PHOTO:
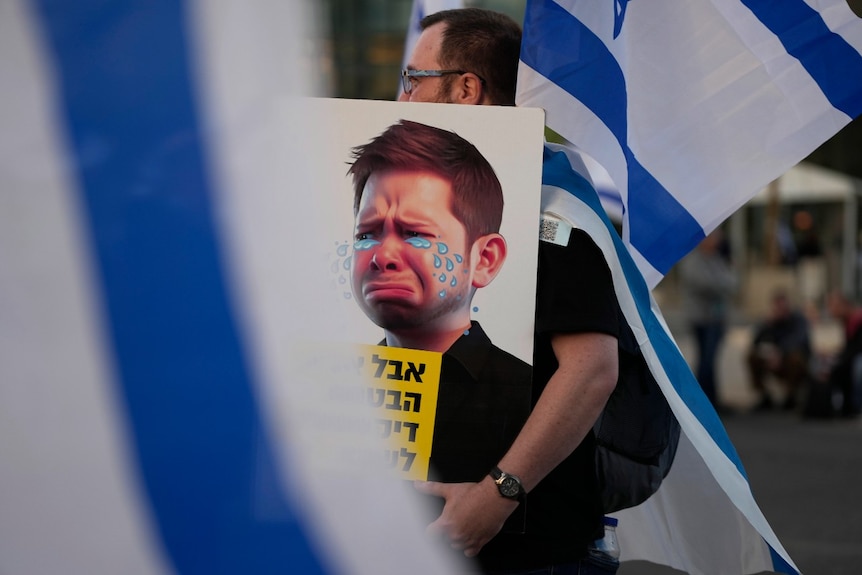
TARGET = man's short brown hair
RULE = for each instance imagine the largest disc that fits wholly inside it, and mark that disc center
(477, 196)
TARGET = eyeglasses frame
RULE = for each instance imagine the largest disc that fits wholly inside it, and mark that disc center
(407, 74)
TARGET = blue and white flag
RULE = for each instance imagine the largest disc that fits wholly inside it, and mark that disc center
(703, 519)
(422, 8)
(156, 238)
(692, 107)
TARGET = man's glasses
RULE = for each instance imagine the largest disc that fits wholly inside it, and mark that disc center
(408, 82)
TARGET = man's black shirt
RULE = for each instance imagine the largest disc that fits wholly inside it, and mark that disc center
(483, 402)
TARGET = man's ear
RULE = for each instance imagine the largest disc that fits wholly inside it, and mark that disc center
(489, 252)
(468, 89)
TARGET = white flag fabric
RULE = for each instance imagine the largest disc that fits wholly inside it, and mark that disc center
(148, 423)
(691, 107)
(703, 519)
(422, 8)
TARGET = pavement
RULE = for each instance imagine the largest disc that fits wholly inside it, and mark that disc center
(806, 475)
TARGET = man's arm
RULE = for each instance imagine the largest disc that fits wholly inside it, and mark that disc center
(566, 411)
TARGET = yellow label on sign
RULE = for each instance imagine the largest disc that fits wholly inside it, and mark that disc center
(402, 388)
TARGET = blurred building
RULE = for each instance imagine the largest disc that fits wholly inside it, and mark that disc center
(800, 234)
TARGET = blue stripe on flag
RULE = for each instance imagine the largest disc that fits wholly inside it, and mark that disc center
(557, 171)
(132, 126)
(779, 565)
(567, 53)
(826, 56)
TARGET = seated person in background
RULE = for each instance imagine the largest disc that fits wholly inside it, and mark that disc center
(846, 372)
(781, 348)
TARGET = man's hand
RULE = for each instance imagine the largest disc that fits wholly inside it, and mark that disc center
(472, 515)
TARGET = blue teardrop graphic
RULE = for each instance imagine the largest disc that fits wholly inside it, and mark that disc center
(420, 243)
(365, 244)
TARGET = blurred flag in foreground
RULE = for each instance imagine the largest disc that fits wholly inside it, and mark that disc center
(691, 107)
(148, 423)
(422, 8)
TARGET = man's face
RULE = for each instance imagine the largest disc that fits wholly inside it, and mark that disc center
(425, 57)
(411, 262)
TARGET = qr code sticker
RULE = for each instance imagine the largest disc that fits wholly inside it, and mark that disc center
(548, 230)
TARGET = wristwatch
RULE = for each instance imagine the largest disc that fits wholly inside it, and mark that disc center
(509, 486)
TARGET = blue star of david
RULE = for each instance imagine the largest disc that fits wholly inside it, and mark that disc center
(619, 14)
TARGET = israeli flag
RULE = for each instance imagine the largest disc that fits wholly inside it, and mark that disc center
(692, 107)
(703, 519)
(155, 234)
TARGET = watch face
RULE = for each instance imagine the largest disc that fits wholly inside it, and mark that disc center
(510, 487)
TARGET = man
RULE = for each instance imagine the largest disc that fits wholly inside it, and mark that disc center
(428, 208)
(845, 374)
(708, 284)
(480, 50)
(470, 56)
(782, 348)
